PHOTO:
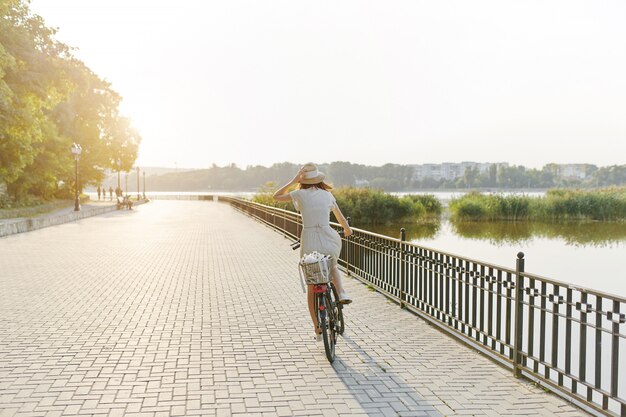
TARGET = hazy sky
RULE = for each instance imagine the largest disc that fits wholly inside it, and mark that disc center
(258, 82)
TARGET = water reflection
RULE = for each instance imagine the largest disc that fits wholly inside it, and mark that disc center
(413, 231)
(598, 234)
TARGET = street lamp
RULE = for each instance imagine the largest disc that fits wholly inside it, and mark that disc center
(126, 179)
(144, 184)
(119, 168)
(138, 196)
(76, 150)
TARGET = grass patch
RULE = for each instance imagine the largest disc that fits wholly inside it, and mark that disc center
(368, 206)
(32, 207)
(607, 204)
(32, 211)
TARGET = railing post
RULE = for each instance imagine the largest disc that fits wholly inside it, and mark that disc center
(348, 250)
(519, 319)
(402, 269)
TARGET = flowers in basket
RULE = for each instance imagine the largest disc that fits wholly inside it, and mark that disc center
(315, 267)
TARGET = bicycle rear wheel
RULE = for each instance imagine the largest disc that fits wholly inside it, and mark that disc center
(327, 324)
(338, 309)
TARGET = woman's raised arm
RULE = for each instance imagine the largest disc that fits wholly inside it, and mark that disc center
(281, 194)
(347, 231)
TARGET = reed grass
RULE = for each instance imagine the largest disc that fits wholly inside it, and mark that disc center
(606, 204)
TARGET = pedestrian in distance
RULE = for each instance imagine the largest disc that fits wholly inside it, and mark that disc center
(314, 201)
(98, 193)
(111, 193)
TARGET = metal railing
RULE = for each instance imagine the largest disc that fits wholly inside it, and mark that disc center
(566, 338)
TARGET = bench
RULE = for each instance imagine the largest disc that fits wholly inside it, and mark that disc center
(124, 201)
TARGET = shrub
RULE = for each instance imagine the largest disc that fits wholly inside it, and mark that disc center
(431, 204)
(369, 206)
(469, 207)
(268, 200)
(265, 196)
(601, 204)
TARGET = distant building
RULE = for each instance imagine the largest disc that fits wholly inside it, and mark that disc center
(573, 171)
(450, 170)
(427, 171)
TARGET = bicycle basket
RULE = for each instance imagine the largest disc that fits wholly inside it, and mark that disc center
(317, 272)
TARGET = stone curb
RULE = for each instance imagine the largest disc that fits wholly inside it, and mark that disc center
(28, 225)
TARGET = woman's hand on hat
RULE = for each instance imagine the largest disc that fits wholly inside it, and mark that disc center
(298, 176)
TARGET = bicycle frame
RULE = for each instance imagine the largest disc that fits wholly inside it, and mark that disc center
(328, 311)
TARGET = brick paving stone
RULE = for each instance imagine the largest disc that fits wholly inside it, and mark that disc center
(191, 308)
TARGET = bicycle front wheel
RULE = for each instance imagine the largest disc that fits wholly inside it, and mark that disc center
(327, 323)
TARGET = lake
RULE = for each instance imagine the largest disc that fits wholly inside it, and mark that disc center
(589, 254)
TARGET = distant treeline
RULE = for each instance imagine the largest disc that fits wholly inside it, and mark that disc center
(389, 177)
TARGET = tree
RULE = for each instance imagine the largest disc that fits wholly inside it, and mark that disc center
(29, 88)
(341, 173)
(470, 176)
(611, 175)
(48, 100)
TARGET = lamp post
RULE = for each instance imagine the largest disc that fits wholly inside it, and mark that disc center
(126, 179)
(119, 168)
(76, 150)
(144, 184)
(138, 196)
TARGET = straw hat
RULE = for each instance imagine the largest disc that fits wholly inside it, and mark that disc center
(311, 175)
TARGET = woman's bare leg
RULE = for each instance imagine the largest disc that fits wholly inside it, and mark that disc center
(312, 312)
(336, 278)
(336, 274)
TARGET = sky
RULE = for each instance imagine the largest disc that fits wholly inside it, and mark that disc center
(371, 82)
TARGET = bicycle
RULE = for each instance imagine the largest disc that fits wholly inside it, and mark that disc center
(329, 312)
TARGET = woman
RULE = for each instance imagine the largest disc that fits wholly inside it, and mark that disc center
(315, 202)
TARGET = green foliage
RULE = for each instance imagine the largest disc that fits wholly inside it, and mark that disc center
(431, 204)
(30, 206)
(48, 100)
(266, 197)
(468, 208)
(558, 204)
(268, 200)
(601, 204)
(367, 206)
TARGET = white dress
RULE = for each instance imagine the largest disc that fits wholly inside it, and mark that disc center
(317, 235)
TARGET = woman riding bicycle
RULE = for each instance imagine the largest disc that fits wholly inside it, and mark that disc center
(314, 200)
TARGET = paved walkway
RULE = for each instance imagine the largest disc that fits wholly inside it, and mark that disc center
(189, 308)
